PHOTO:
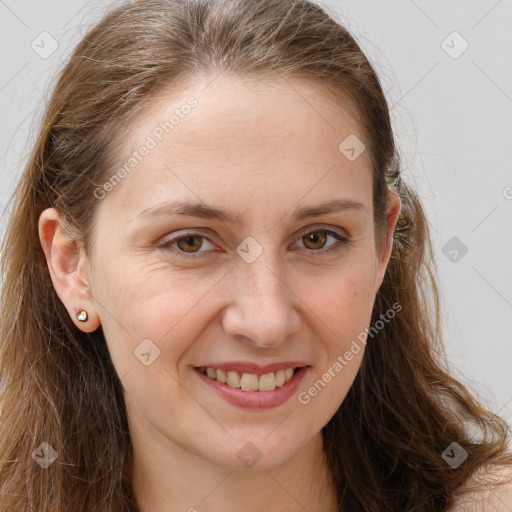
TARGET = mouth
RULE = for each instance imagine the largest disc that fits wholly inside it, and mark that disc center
(250, 382)
(255, 391)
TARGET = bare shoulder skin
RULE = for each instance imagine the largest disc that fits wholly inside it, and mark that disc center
(490, 496)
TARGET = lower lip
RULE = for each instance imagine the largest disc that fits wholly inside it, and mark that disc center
(256, 399)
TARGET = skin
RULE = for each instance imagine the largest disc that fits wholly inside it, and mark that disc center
(260, 149)
(489, 489)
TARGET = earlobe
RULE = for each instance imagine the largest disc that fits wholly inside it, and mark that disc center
(65, 258)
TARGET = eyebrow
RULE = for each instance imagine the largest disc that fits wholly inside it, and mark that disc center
(195, 209)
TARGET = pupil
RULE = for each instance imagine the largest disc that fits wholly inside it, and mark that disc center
(315, 238)
(189, 241)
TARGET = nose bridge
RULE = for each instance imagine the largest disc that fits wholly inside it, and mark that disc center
(261, 268)
(263, 303)
(263, 279)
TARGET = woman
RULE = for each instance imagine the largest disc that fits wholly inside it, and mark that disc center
(218, 290)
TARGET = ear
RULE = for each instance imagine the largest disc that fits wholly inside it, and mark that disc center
(69, 269)
(382, 261)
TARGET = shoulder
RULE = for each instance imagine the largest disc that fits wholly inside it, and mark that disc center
(488, 490)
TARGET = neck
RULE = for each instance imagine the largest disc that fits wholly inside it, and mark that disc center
(175, 479)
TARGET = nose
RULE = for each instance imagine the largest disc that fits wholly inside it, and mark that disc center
(263, 306)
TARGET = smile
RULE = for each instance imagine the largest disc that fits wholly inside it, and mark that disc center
(253, 391)
(250, 381)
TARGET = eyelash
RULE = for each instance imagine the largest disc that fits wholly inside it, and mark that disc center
(341, 239)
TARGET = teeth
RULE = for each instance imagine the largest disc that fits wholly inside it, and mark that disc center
(267, 382)
(250, 381)
(233, 380)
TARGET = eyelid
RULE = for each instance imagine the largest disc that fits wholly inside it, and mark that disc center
(335, 232)
(343, 233)
(166, 243)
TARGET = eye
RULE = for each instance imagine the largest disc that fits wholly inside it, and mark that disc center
(189, 244)
(316, 239)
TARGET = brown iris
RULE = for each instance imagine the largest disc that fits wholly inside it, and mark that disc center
(188, 239)
(186, 243)
(315, 239)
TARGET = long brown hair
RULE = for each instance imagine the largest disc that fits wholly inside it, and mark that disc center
(58, 384)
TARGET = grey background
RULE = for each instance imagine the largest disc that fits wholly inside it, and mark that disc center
(453, 120)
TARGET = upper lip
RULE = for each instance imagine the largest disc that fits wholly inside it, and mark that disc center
(250, 367)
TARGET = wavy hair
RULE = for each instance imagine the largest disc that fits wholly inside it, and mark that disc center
(59, 385)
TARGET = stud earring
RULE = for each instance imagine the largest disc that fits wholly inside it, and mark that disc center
(82, 316)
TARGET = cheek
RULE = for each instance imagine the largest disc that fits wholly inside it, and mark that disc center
(343, 302)
(170, 308)
(340, 308)
(154, 321)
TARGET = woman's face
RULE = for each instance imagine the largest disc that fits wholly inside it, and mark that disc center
(242, 287)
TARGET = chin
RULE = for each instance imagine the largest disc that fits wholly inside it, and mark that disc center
(253, 453)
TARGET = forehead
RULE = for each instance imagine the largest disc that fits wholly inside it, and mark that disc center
(223, 136)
